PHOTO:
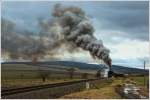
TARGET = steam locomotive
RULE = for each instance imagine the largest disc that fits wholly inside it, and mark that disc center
(111, 73)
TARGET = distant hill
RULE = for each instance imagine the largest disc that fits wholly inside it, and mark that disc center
(115, 68)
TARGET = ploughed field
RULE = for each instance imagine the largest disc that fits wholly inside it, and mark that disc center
(22, 75)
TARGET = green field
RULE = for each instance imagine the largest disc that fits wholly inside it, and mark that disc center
(140, 80)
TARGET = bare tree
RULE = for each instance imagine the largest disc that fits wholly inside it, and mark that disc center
(71, 72)
(43, 74)
(98, 74)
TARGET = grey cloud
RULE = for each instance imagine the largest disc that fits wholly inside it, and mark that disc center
(130, 18)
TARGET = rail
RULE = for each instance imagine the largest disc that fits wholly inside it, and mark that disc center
(33, 88)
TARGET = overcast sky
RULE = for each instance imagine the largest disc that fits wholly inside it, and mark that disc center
(123, 26)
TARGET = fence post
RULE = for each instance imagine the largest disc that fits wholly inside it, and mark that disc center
(87, 85)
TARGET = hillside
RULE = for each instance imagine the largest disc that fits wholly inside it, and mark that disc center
(79, 65)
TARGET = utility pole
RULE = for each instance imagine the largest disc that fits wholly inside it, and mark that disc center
(144, 73)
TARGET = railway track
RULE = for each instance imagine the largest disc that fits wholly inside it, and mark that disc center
(34, 88)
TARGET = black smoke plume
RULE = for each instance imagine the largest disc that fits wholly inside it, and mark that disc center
(69, 29)
(76, 28)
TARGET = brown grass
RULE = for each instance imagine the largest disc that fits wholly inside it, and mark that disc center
(106, 92)
(16, 83)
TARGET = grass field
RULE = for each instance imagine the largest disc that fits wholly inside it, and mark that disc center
(140, 80)
(106, 90)
(16, 83)
(20, 75)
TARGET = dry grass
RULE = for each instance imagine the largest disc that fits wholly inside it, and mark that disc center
(16, 83)
(144, 91)
(106, 92)
(140, 80)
